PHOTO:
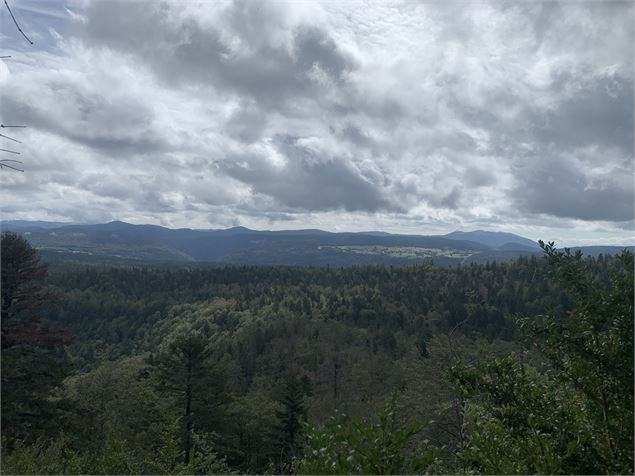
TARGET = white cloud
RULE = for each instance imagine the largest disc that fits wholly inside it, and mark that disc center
(402, 116)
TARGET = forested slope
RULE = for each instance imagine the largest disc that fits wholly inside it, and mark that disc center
(117, 311)
(241, 369)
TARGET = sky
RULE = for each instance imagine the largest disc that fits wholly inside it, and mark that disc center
(404, 116)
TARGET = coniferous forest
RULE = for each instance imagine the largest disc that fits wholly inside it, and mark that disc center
(500, 368)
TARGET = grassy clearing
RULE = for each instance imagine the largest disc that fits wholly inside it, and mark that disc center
(404, 252)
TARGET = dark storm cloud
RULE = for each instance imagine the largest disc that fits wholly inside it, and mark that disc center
(353, 134)
(557, 187)
(120, 125)
(478, 177)
(593, 113)
(307, 182)
(451, 200)
(597, 110)
(600, 112)
(247, 123)
(440, 197)
(182, 49)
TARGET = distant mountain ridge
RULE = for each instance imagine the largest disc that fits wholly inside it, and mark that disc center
(16, 225)
(239, 245)
(495, 239)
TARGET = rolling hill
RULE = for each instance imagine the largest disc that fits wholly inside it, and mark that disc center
(495, 239)
(127, 243)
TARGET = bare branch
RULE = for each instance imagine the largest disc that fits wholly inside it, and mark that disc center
(3, 163)
(11, 138)
(16, 23)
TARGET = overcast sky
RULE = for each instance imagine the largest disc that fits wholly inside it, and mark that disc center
(414, 117)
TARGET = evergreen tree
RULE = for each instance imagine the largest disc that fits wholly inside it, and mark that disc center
(185, 371)
(290, 418)
(31, 366)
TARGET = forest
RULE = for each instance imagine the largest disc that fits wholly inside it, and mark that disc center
(500, 368)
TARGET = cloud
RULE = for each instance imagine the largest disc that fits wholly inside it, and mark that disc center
(409, 114)
(302, 180)
(595, 111)
(560, 188)
(251, 49)
(88, 101)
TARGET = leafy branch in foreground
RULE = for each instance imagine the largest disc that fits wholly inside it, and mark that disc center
(346, 445)
(569, 410)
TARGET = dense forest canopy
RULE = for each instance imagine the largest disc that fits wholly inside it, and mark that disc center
(515, 367)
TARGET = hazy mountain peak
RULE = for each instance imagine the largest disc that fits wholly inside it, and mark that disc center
(494, 239)
(235, 230)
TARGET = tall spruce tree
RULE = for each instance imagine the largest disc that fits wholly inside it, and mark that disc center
(31, 365)
(186, 371)
(290, 418)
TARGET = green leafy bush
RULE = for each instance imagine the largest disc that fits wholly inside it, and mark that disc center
(346, 445)
(569, 410)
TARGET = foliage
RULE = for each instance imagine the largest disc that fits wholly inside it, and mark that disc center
(184, 370)
(591, 348)
(570, 409)
(30, 359)
(205, 458)
(252, 442)
(42, 458)
(291, 416)
(520, 420)
(231, 369)
(116, 400)
(121, 312)
(346, 445)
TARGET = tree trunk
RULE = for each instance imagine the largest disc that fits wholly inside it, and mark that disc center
(187, 444)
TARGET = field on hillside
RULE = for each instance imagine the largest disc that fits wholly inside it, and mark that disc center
(404, 252)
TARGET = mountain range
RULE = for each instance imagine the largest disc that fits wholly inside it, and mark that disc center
(124, 242)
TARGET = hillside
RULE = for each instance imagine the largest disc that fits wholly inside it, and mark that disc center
(124, 243)
(239, 351)
(495, 239)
